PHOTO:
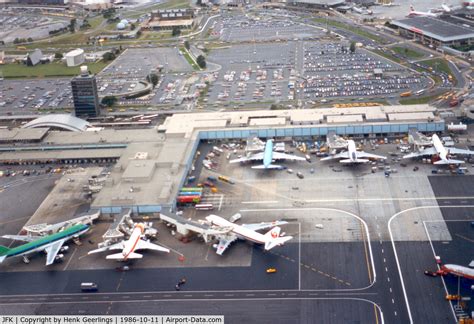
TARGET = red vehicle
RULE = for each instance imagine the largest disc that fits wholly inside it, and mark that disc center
(189, 199)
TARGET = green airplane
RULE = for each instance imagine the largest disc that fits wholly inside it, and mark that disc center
(51, 244)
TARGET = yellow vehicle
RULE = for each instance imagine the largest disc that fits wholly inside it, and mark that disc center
(453, 297)
(213, 189)
(405, 94)
(271, 270)
(21, 48)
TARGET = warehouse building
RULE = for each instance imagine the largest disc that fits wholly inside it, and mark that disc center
(439, 31)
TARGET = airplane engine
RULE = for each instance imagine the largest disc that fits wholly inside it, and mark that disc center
(64, 248)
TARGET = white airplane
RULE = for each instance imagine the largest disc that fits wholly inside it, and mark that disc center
(443, 9)
(135, 242)
(414, 13)
(248, 232)
(439, 149)
(457, 270)
(352, 155)
(267, 156)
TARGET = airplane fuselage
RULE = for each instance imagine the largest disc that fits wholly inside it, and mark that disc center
(241, 232)
(39, 245)
(439, 147)
(458, 270)
(351, 147)
(131, 244)
(268, 153)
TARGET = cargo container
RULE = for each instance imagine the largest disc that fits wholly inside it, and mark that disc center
(190, 193)
(187, 189)
(188, 199)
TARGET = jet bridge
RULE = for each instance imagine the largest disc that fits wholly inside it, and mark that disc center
(418, 139)
(185, 227)
(335, 142)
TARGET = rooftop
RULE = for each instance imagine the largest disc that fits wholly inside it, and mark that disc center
(439, 28)
(66, 122)
(186, 124)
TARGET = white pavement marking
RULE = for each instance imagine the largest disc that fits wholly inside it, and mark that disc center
(396, 255)
(330, 209)
(299, 256)
(260, 202)
(70, 258)
(220, 202)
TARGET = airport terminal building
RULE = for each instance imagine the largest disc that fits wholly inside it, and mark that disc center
(153, 163)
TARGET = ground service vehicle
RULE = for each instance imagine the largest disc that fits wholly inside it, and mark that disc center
(89, 286)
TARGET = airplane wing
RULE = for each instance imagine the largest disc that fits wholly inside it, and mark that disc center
(263, 225)
(342, 155)
(453, 150)
(224, 243)
(116, 246)
(428, 151)
(52, 250)
(284, 156)
(25, 238)
(253, 157)
(145, 245)
(363, 154)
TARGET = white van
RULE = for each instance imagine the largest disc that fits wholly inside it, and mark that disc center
(89, 286)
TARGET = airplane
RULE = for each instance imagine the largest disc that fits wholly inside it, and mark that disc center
(248, 232)
(456, 270)
(352, 155)
(128, 247)
(51, 244)
(414, 13)
(443, 9)
(268, 155)
(439, 149)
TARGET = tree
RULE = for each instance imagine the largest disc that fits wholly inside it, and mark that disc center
(176, 31)
(139, 33)
(29, 39)
(199, 2)
(58, 55)
(72, 25)
(108, 56)
(132, 26)
(201, 61)
(352, 48)
(153, 78)
(186, 45)
(109, 101)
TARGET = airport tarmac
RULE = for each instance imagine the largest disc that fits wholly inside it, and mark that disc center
(348, 257)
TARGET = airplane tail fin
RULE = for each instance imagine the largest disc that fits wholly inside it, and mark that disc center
(275, 242)
(273, 238)
(273, 233)
(271, 166)
(449, 161)
(3, 252)
(120, 256)
(347, 161)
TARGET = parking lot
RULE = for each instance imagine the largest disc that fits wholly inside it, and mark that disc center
(252, 72)
(26, 23)
(331, 70)
(20, 97)
(270, 27)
